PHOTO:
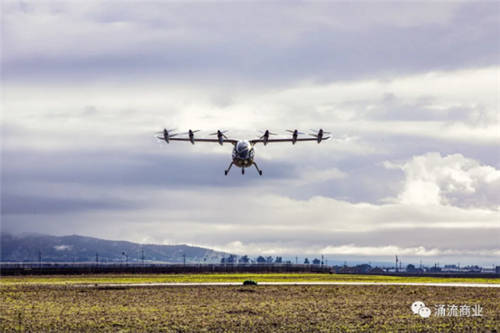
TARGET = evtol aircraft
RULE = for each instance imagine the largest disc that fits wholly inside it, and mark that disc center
(243, 151)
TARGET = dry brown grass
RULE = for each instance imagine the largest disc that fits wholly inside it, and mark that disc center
(243, 309)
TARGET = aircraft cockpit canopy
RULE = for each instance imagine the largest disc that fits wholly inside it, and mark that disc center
(243, 149)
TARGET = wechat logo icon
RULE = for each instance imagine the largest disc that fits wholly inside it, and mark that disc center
(419, 308)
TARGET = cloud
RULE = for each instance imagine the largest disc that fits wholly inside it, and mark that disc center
(352, 251)
(452, 179)
(27, 204)
(312, 175)
(412, 167)
(121, 116)
(243, 43)
(62, 247)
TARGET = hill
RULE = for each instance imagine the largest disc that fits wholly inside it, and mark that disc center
(74, 248)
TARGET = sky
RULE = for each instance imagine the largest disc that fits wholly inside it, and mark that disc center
(410, 91)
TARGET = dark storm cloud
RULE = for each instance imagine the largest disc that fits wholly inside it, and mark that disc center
(123, 168)
(254, 43)
(32, 204)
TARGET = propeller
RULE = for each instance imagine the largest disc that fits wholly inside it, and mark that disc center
(220, 133)
(188, 132)
(295, 132)
(319, 135)
(267, 133)
(168, 130)
(319, 131)
(220, 136)
(265, 136)
(166, 134)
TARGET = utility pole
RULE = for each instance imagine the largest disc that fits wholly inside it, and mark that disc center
(142, 255)
(296, 260)
(322, 260)
(184, 258)
(39, 258)
(96, 259)
(396, 263)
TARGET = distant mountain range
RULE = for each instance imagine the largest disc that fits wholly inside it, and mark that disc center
(74, 248)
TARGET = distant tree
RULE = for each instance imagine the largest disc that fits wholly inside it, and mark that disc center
(269, 260)
(223, 260)
(316, 261)
(244, 259)
(434, 269)
(261, 260)
(278, 260)
(306, 261)
(410, 268)
(363, 268)
(232, 259)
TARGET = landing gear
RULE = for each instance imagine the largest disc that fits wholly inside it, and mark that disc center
(258, 170)
(227, 171)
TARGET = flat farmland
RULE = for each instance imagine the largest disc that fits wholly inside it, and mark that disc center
(347, 308)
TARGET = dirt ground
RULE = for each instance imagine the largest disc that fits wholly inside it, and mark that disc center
(245, 309)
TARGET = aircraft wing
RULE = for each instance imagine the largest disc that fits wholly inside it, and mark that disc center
(285, 140)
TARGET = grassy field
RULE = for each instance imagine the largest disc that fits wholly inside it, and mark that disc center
(271, 277)
(45, 308)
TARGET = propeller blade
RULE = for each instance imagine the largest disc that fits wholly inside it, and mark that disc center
(168, 130)
(184, 133)
(293, 131)
(170, 134)
(222, 132)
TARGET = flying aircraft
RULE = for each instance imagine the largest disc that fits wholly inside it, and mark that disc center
(243, 151)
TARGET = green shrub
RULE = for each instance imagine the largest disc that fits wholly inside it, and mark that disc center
(249, 283)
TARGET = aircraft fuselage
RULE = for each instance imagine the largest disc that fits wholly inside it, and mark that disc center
(243, 154)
